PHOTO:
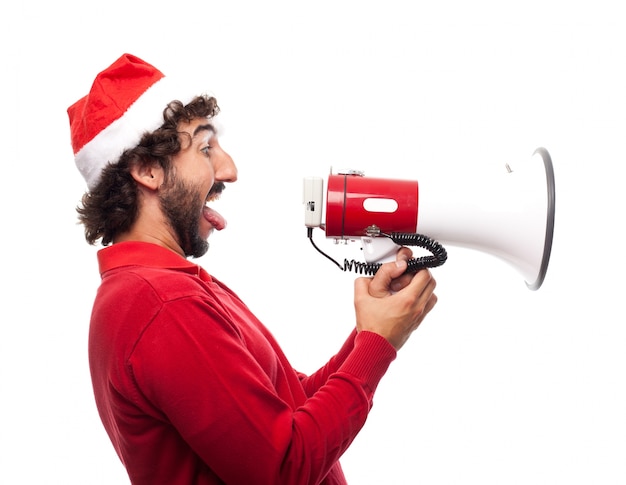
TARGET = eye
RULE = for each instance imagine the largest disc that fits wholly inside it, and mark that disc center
(205, 150)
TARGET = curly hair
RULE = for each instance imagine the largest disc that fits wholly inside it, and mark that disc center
(112, 206)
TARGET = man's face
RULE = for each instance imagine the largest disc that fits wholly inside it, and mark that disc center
(200, 170)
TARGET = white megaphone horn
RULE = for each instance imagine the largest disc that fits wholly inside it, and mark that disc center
(509, 214)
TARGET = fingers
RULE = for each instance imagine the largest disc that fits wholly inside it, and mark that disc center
(424, 284)
(393, 316)
(382, 281)
(404, 253)
(401, 281)
(423, 278)
(426, 302)
(419, 295)
(423, 301)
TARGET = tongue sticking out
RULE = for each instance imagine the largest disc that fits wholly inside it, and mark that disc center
(214, 217)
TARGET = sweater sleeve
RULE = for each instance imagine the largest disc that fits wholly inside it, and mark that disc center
(203, 375)
(313, 382)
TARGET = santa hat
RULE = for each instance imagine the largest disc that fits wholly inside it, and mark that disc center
(126, 100)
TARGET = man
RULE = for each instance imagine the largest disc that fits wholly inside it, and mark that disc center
(190, 386)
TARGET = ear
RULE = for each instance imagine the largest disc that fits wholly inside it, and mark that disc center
(150, 175)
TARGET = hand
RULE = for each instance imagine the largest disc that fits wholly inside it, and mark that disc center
(403, 254)
(393, 304)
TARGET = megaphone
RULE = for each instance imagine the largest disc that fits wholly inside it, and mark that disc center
(508, 214)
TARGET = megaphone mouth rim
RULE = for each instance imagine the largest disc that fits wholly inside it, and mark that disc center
(550, 215)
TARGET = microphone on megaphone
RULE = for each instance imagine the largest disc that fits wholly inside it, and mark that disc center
(508, 214)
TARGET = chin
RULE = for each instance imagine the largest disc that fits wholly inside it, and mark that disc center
(197, 246)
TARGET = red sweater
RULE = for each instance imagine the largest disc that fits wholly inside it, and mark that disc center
(193, 389)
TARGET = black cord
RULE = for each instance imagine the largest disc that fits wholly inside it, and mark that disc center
(437, 258)
(310, 236)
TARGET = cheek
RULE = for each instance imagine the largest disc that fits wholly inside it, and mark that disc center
(201, 174)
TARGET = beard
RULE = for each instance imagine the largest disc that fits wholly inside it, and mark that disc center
(182, 205)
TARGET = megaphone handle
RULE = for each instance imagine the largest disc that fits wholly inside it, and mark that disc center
(379, 249)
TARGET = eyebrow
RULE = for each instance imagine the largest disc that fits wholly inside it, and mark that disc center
(201, 128)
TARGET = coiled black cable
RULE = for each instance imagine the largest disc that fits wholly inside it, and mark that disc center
(438, 255)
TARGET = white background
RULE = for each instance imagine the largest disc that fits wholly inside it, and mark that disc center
(501, 385)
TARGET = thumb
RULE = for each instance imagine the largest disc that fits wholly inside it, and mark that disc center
(380, 285)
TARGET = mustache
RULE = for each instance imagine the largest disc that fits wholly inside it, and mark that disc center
(217, 189)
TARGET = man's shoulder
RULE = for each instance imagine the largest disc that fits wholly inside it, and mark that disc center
(165, 283)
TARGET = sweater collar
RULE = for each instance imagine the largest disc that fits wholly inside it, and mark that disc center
(136, 253)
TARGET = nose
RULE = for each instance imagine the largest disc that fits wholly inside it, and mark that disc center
(225, 168)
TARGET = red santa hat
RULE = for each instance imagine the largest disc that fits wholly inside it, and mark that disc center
(126, 100)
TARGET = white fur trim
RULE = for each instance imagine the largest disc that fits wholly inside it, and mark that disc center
(144, 115)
